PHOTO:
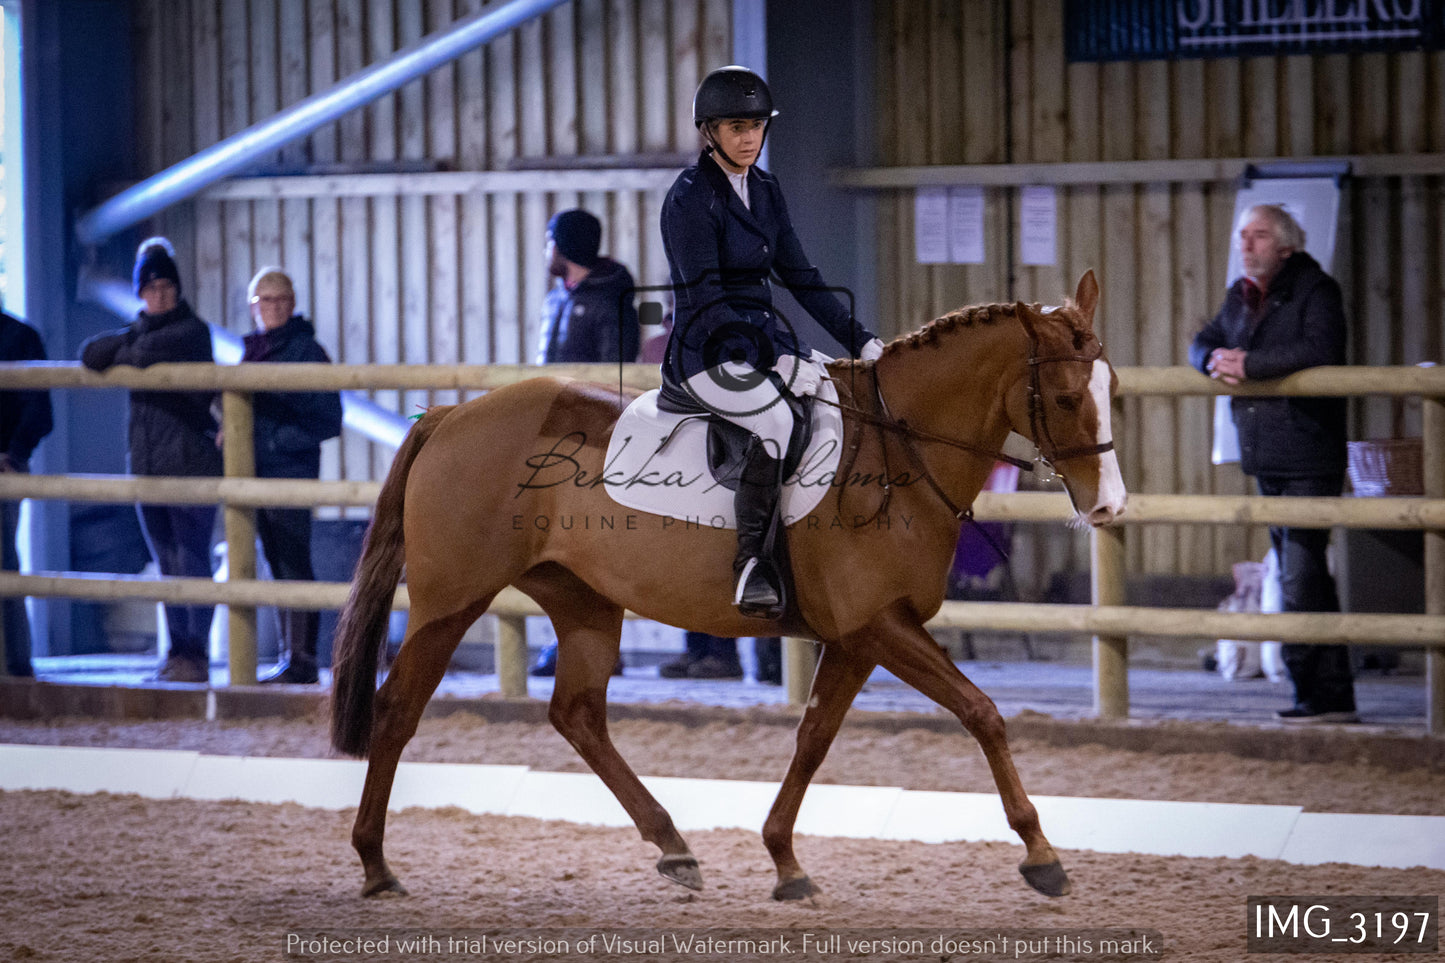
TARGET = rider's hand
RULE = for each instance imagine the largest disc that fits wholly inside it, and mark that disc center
(801, 376)
(872, 351)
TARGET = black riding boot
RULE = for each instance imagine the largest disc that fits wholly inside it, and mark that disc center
(759, 592)
(298, 631)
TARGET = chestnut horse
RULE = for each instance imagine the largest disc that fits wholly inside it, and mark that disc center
(506, 490)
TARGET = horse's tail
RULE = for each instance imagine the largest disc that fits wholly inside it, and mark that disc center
(361, 627)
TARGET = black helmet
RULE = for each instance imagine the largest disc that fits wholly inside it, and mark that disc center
(732, 92)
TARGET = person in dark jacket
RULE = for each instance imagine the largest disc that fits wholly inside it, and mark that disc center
(25, 418)
(1284, 315)
(171, 433)
(588, 317)
(727, 234)
(289, 429)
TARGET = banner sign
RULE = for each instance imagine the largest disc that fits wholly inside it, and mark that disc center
(1169, 29)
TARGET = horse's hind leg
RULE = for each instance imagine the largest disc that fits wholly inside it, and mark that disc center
(589, 629)
(414, 676)
(906, 649)
(839, 677)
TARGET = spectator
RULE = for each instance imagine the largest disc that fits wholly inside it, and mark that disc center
(171, 433)
(289, 429)
(588, 317)
(25, 418)
(716, 657)
(1284, 315)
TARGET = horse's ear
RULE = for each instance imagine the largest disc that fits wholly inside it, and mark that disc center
(1087, 296)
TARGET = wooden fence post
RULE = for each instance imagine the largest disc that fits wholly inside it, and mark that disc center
(239, 460)
(800, 661)
(1434, 471)
(512, 655)
(1111, 652)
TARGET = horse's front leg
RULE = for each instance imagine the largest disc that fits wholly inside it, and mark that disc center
(905, 648)
(840, 675)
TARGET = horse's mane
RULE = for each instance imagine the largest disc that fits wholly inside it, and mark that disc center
(932, 332)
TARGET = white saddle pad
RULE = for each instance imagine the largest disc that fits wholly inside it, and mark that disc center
(675, 481)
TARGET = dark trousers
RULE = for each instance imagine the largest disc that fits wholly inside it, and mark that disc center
(701, 645)
(179, 537)
(1321, 673)
(286, 540)
(767, 649)
(17, 623)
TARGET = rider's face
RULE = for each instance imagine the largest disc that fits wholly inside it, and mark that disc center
(741, 139)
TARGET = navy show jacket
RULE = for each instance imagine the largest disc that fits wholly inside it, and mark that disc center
(722, 255)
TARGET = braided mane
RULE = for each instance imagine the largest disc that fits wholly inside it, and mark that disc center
(932, 332)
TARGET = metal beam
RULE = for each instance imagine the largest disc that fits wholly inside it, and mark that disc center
(227, 157)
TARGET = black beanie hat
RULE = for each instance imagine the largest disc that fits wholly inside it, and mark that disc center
(578, 235)
(153, 261)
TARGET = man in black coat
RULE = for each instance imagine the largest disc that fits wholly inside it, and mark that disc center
(25, 418)
(588, 317)
(289, 429)
(1284, 315)
(171, 433)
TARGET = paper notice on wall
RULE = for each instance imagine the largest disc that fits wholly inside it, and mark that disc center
(930, 225)
(1038, 225)
(965, 225)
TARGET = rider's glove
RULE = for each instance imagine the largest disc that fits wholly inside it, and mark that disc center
(872, 351)
(801, 376)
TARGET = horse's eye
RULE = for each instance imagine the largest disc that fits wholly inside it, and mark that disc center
(1067, 402)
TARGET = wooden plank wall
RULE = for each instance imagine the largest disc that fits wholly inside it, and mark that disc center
(417, 279)
(988, 82)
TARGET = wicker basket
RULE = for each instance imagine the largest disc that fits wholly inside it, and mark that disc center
(1387, 466)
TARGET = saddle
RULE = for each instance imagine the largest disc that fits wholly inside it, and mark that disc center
(669, 456)
(727, 443)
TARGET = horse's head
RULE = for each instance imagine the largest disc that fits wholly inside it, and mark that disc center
(1062, 403)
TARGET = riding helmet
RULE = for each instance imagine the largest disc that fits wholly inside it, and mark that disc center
(732, 92)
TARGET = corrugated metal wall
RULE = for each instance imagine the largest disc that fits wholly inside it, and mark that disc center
(400, 277)
(987, 82)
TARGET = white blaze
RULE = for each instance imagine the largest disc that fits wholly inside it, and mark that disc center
(1111, 483)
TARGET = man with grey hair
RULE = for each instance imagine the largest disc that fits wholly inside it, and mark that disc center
(1286, 314)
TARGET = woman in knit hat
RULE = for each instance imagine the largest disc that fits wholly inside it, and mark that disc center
(171, 433)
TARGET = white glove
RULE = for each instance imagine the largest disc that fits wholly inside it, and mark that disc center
(872, 351)
(801, 376)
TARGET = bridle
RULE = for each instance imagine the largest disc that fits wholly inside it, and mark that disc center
(1039, 423)
(1049, 452)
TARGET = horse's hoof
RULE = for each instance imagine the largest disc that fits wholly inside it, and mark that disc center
(386, 886)
(795, 889)
(1048, 878)
(682, 869)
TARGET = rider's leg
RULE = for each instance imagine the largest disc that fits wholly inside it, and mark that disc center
(749, 399)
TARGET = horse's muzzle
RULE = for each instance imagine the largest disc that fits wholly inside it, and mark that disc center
(1106, 514)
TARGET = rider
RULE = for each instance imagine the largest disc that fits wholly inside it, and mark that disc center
(725, 229)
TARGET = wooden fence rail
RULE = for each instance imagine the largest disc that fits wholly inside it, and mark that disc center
(1107, 619)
